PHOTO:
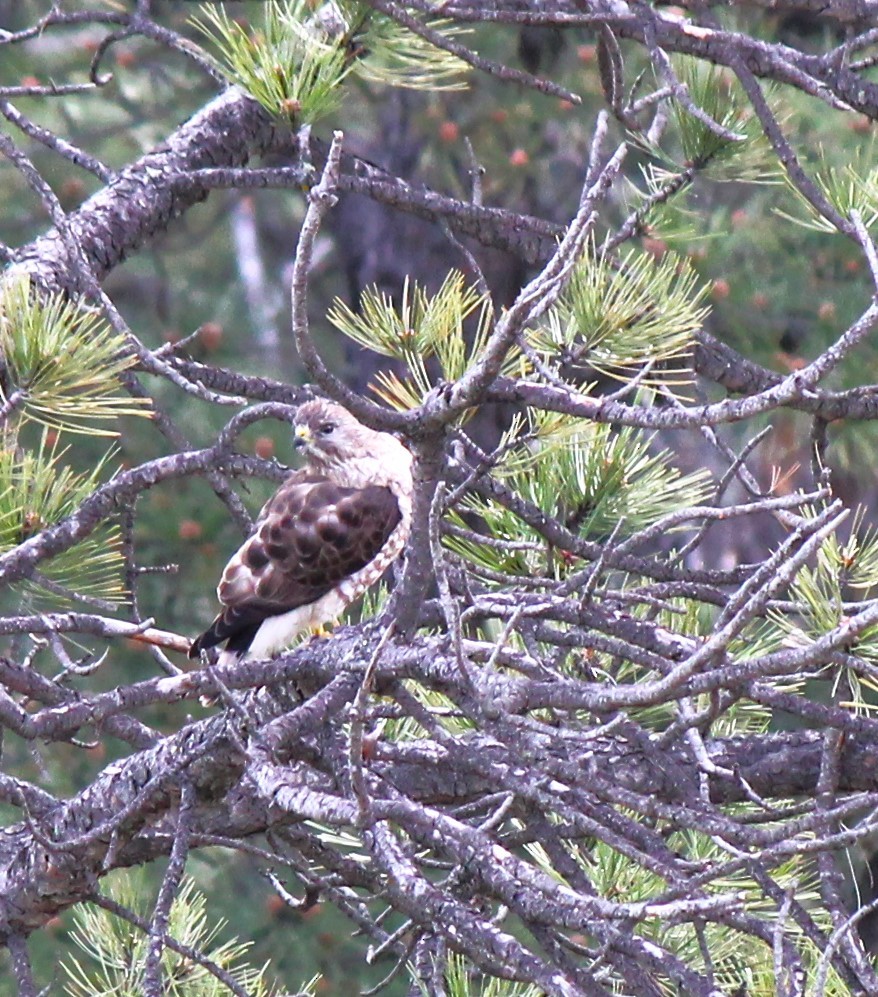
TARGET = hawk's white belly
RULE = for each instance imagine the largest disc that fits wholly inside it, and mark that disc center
(278, 632)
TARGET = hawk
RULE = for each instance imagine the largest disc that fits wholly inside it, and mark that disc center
(328, 533)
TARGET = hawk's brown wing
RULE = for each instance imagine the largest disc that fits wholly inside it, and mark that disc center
(309, 537)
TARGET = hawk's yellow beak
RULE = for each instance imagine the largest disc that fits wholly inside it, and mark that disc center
(302, 437)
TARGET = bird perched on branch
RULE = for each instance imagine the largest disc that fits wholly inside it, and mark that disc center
(329, 532)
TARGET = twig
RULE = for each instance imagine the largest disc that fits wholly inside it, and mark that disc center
(187, 951)
(158, 928)
(21, 966)
(502, 72)
(76, 156)
(358, 722)
(321, 198)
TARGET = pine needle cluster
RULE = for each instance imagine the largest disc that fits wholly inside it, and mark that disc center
(115, 951)
(295, 61)
(844, 570)
(597, 481)
(39, 489)
(437, 337)
(62, 376)
(460, 981)
(847, 188)
(62, 363)
(617, 315)
(693, 144)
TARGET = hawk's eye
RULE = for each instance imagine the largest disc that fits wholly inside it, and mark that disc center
(326, 429)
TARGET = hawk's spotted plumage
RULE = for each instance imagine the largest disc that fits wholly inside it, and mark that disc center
(329, 532)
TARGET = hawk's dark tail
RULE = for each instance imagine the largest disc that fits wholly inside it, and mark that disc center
(237, 638)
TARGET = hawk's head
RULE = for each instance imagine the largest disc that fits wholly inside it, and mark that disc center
(328, 434)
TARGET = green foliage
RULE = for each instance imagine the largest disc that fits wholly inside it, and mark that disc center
(373, 601)
(392, 55)
(684, 617)
(63, 362)
(444, 712)
(422, 324)
(821, 590)
(460, 982)
(116, 950)
(591, 477)
(37, 490)
(786, 291)
(63, 365)
(295, 63)
(662, 203)
(617, 317)
(720, 96)
(424, 328)
(290, 65)
(619, 878)
(851, 186)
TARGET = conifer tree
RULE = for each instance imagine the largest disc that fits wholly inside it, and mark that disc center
(608, 727)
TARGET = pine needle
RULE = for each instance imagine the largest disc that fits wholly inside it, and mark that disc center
(617, 317)
(63, 363)
(37, 489)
